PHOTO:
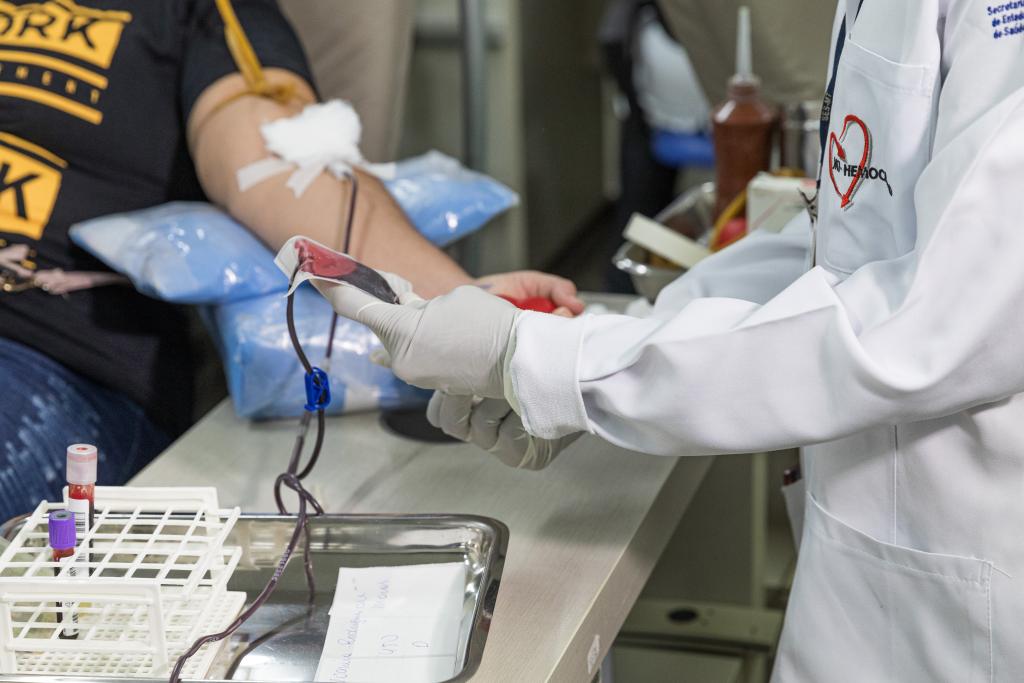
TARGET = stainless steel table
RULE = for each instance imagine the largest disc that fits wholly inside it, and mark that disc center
(584, 533)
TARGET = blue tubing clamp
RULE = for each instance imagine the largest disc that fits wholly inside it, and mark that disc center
(318, 390)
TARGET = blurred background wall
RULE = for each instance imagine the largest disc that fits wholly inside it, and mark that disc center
(545, 132)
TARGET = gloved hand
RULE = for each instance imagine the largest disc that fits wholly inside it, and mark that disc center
(456, 342)
(492, 425)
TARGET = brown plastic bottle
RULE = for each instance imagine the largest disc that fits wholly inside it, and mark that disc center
(743, 127)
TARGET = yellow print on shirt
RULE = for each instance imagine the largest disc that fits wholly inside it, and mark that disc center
(29, 182)
(58, 33)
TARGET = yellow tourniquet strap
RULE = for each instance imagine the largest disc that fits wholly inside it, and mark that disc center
(247, 61)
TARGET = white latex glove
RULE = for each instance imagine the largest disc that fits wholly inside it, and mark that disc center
(492, 425)
(456, 342)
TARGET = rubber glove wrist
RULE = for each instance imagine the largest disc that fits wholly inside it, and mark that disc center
(506, 371)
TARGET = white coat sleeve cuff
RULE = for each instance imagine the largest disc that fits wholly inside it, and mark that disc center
(544, 374)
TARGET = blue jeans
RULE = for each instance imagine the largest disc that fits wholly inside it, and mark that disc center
(44, 408)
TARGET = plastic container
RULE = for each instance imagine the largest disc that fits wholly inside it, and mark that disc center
(81, 475)
(62, 546)
(157, 579)
(742, 127)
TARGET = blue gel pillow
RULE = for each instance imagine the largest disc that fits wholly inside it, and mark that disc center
(264, 376)
(445, 200)
(194, 253)
(184, 252)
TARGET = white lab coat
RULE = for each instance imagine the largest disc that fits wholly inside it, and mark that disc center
(897, 360)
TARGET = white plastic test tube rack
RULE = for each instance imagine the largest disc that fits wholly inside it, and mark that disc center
(155, 579)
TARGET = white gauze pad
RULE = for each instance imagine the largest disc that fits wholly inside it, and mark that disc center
(322, 137)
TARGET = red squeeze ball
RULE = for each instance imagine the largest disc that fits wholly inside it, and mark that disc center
(534, 303)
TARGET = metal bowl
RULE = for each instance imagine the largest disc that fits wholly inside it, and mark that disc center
(694, 210)
(648, 280)
(696, 206)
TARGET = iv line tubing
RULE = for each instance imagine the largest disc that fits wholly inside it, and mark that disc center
(289, 478)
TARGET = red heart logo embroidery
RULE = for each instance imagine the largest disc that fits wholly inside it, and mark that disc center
(836, 144)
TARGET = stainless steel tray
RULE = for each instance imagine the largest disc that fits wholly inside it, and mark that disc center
(283, 640)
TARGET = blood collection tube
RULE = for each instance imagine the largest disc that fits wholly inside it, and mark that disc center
(62, 542)
(82, 485)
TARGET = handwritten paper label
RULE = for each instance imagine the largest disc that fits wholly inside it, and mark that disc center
(394, 623)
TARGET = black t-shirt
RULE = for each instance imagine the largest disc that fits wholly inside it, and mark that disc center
(94, 96)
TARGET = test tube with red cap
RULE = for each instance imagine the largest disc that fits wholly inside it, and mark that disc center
(82, 485)
(62, 535)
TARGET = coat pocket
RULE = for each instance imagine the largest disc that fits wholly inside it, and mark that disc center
(864, 610)
(879, 141)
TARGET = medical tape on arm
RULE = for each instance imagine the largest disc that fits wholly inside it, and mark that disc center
(322, 137)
